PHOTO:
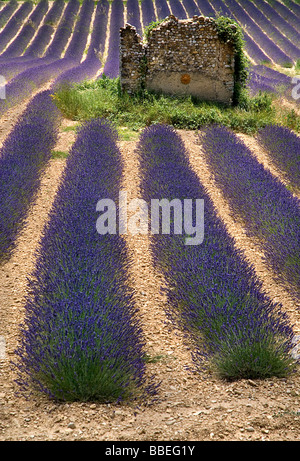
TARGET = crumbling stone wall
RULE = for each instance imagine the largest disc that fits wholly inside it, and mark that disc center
(180, 57)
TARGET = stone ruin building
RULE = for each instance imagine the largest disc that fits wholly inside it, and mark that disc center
(180, 57)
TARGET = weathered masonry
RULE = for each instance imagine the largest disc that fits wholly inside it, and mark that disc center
(180, 57)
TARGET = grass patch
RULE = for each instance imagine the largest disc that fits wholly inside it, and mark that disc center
(59, 154)
(104, 98)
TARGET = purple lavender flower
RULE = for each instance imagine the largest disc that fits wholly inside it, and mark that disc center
(191, 7)
(213, 293)
(148, 12)
(14, 24)
(291, 13)
(268, 211)
(17, 47)
(177, 9)
(266, 24)
(283, 147)
(45, 32)
(21, 86)
(205, 8)
(133, 15)
(162, 9)
(91, 65)
(253, 29)
(111, 67)
(82, 337)
(7, 11)
(281, 23)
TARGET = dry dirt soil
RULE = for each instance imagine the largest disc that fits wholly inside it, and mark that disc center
(189, 407)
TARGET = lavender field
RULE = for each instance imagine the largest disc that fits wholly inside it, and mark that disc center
(118, 322)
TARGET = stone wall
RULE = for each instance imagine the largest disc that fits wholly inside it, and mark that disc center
(180, 57)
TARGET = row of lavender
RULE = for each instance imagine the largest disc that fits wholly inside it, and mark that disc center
(277, 42)
(23, 84)
(27, 150)
(283, 148)
(82, 337)
(23, 158)
(213, 294)
(267, 209)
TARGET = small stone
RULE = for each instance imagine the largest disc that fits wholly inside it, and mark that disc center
(71, 425)
(250, 429)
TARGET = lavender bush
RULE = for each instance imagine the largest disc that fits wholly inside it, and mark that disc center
(11, 67)
(148, 12)
(111, 68)
(22, 86)
(278, 21)
(45, 32)
(82, 337)
(268, 46)
(64, 31)
(23, 158)
(162, 9)
(283, 147)
(266, 24)
(133, 15)
(291, 13)
(268, 211)
(17, 47)
(191, 7)
(177, 9)
(7, 11)
(91, 65)
(205, 8)
(213, 293)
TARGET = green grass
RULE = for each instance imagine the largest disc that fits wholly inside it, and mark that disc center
(103, 98)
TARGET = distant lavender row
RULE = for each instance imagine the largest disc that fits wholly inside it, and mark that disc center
(111, 68)
(263, 78)
(23, 158)
(148, 12)
(14, 24)
(17, 47)
(91, 65)
(266, 24)
(44, 34)
(283, 147)
(268, 46)
(63, 32)
(205, 8)
(191, 8)
(133, 15)
(279, 21)
(162, 9)
(291, 13)
(7, 11)
(268, 211)
(177, 9)
(213, 294)
(22, 86)
(221, 8)
(82, 337)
